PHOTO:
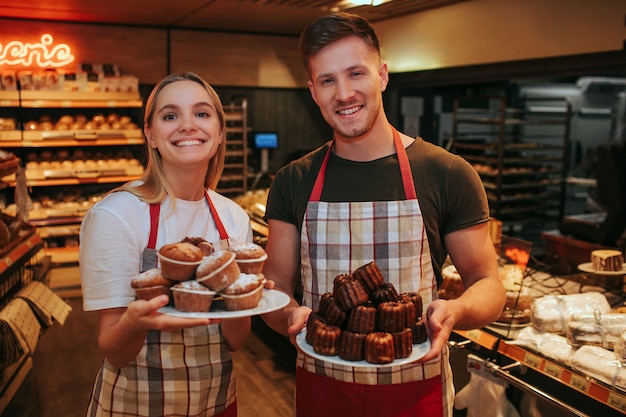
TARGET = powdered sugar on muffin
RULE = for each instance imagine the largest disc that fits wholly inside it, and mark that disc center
(245, 284)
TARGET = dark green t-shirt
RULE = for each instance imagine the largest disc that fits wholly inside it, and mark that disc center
(450, 193)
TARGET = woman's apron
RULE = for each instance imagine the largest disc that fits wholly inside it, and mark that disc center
(182, 373)
(336, 239)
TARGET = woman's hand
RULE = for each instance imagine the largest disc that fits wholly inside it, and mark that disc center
(123, 330)
(144, 315)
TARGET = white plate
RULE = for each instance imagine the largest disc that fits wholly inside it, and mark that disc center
(418, 351)
(270, 301)
(588, 267)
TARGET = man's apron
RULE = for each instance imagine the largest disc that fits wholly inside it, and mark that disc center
(337, 238)
(181, 373)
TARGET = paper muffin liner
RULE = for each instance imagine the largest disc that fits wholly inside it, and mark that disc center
(189, 300)
(243, 301)
(177, 270)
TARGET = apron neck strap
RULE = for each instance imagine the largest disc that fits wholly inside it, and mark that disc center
(155, 210)
(403, 161)
(216, 218)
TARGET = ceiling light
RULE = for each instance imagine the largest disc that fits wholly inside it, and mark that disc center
(367, 2)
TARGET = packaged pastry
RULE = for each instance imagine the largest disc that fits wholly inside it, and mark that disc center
(551, 313)
(601, 364)
(595, 329)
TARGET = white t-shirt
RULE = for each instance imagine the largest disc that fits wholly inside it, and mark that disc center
(115, 232)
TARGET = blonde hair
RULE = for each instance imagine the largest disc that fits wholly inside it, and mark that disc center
(153, 186)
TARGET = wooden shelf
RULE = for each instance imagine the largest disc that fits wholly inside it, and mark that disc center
(80, 181)
(69, 99)
(26, 248)
(62, 143)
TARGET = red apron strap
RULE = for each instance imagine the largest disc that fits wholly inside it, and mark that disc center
(155, 210)
(216, 218)
(403, 161)
(405, 167)
(316, 194)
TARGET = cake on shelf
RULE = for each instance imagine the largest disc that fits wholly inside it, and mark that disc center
(607, 260)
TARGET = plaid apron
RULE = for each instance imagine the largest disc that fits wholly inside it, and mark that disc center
(182, 373)
(337, 238)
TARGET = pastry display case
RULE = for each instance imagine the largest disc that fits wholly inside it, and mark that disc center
(565, 355)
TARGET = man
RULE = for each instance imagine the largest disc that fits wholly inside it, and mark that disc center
(373, 193)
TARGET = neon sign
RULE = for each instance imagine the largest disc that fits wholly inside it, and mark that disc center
(36, 54)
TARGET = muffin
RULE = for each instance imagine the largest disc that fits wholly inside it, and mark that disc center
(191, 296)
(218, 270)
(150, 284)
(250, 257)
(244, 293)
(202, 243)
(179, 260)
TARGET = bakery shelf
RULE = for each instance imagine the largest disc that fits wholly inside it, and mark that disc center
(515, 148)
(10, 135)
(51, 157)
(515, 161)
(234, 179)
(60, 230)
(64, 255)
(25, 247)
(68, 143)
(69, 99)
(82, 181)
(82, 135)
(521, 185)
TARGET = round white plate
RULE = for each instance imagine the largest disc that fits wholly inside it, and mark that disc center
(418, 351)
(588, 267)
(270, 301)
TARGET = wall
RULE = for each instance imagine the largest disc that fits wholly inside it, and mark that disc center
(267, 69)
(221, 58)
(467, 33)
(487, 31)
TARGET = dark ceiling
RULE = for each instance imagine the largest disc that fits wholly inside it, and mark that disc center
(280, 17)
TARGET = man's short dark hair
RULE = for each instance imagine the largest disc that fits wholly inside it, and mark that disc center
(332, 28)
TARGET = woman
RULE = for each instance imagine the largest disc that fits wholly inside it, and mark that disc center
(156, 364)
